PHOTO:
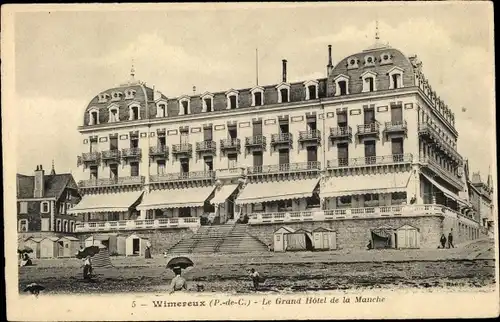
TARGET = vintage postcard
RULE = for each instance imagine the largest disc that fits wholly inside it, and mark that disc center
(257, 161)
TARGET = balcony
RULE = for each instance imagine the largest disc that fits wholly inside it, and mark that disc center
(206, 147)
(397, 127)
(300, 167)
(257, 142)
(232, 173)
(160, 151)
(183, 222)
(182, 149)
(182, 177)
(132, 153)
(435, 167)
(111, 155)
(112, 182)
(282, 139)
(368, 130)
(89, 158)
(310, 137)
(370, 161)
(350, 213)
(426, 131)
(230, 145)
(341, 133)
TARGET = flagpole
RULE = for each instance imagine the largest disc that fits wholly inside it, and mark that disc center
(257, 66)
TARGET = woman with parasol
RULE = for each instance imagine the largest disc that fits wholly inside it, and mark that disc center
(25, 259)
(86, 254)
(176, 265)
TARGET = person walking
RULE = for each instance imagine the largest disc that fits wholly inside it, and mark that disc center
(450, 239)
(178, 282)
(255, 276)
(147, 252)
(87, 268)
(443, 241)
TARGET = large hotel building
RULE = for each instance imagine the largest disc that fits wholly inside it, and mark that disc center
(368, 149)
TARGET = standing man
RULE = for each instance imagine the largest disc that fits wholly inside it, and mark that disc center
(450, 239)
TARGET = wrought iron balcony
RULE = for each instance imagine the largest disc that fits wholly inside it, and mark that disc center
(111, 182)
(366, 130)
(396, 127)
(91, 156)
(131, 153)
(184, 148)
(313, 136)
(311, 166)
(427, 131)
(435, 167)
(111, 155)
(341, 133)
(183, 176)
(160, 151)
(206, 146)
(230, 144)
(230, 173)
(256, 142)
(282, 138)
(370, 161)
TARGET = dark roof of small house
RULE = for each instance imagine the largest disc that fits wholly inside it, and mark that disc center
(54, 185)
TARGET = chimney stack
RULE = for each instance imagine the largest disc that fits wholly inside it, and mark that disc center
(39, 187)
(284, 70)
(329, 67)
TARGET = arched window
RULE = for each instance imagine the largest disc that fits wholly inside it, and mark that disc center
(161, 108)
(257, 96)
(65, 226)
(93, 116)
(341, 85)
(207, 102)
(283, 93)
(134, 112)
(22, 225)
(232, 99)
(58, 226)
(395, 78)
(311, 89)
(184, 106)
(369, 81)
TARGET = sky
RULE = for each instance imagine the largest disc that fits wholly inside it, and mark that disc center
(64, 58)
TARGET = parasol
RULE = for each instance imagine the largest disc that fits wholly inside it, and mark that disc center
(34, 288)
(87, 251)
(180, 262)
(25, 249)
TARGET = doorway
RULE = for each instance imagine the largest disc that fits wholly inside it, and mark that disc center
(136, 242)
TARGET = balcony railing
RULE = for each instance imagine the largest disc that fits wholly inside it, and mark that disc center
(437, 168)
(159, 151)
(230, 173)
(182, 176)
(313, 166)
(396, 127)
(426, 129)
(349, 213)
(184, 148)
(230, 144)
(369, 161)
(368, 129)
(282, 138)
(111, 182)
(181, 222)
(111, 155)
(255, 141)
(206, 146)
(132, 153)
(310, 136)
(341, 132)
(91, 156)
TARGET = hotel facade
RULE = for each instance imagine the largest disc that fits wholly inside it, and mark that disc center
(370, 147)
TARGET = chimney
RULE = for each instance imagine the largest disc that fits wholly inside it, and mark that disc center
(284, 70)
(329, 67)
(39, 188)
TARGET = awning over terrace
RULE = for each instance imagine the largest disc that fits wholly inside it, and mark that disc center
(176, 198)
(110, 202)
(279, 190)
(224, 193)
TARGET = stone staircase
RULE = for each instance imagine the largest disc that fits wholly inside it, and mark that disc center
(228, 238)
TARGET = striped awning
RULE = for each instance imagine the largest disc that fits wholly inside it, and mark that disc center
(223, 193)
(110, 202)
(373, 183)
(176, 198)
(280, 190)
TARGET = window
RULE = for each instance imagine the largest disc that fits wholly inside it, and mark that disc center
(283, 93)
(208, 133)
(343, 154)
(62, 208)
(284, 157)
(72, 226)
(257, 99)
(258, 207)
(129, 94)
(134, 112)
(341, 85)
(342, 119)
(116, 96)
(161, 166)
(397, 149)
(370, 152)
(369, 116)
(396, 114)
(398, 198)
(311, 124)
(313, 201)
(113, 171)
(232, 100)
(311, 89)
(344, 201)
(58, 225)
(184, 212)
(232, 160)
(385, 58)
(94, 147)
(368, 81)
(257, 160)
(284, 128)
(312, 154)
(23, 207)
(134, 142)
(184, 165)
(68, 206)
(65, 225)
(209, 163)
(162, 141)
(22, 225)
(94, 116)
(352, 63)
(312, 92)
(161, 110)
(184, 137)
(257, 96)
(134, 169)
(184, 106)
(113, 115)
(371, 200)
(257, 128)
(232, 132)
(285, 205)
(45, 224)
(103, 98)
(369, 61)
(113, 143)
(207, 102)
(45, 207)
(395, 78)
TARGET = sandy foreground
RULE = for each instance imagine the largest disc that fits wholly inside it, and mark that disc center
(469, 266)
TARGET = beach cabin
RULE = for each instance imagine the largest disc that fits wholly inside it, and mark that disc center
(324, 239)
(407, 237)
(33, 243)
(299, 240)
(383, 237)
(113, 242)
(135, 245)
(68, 246)
(49, 247)
(279, 238)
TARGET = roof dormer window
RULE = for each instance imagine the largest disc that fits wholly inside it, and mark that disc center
(369, 81)
(184, 106)
(130, 93)
(385, 58)
(134, 111)
(311, 88)
(352, 63)
(283, 93)
(395, 78)
(114, 114)
(341, 85)
(161, 109)
(369, 60)
(232, 99)
(103, 98)
(207, 102)
(116, 96)
(93, 116)
(257, 96)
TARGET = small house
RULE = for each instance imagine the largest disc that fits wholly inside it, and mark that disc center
(113, 242)
(407, 237)
(49, 247)
(68, 246)
(324, 239)
(135, 245)
(279, 239)
(299, 240)
(33, 243)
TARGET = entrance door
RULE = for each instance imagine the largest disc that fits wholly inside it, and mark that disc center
(326, 242)
(60, 249)
(136, 246)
